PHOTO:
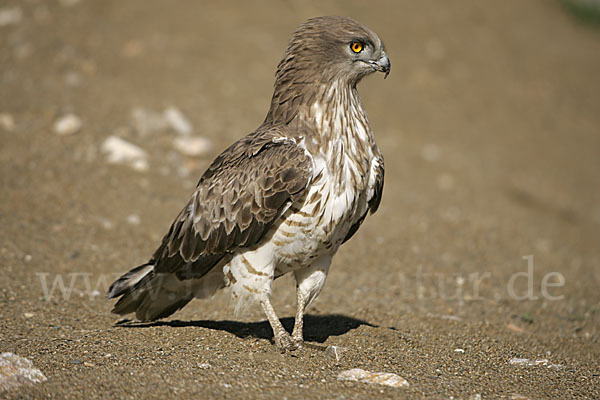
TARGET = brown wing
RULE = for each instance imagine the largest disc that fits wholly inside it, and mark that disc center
(378, 189)
(238, 198)
(373, 201)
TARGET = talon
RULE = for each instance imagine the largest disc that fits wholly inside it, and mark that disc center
(285, 343)
(298, 342)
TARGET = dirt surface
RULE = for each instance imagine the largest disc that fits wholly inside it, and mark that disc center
(490, 125)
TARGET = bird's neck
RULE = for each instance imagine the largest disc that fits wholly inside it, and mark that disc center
(337, 114)
(332, 120)
(331, 109)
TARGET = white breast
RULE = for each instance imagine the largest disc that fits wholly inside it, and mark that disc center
(343, 177)
(319, 224)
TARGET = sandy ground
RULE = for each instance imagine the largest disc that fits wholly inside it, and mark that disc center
(490, 125)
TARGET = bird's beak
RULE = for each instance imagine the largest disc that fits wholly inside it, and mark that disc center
(384, 65)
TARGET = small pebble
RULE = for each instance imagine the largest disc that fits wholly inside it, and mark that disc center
(534, 363)
(451, 317)
(459, 350)
(28, 315)
(120, 151)
(10, 16)
(178, 121)
(381, 378)
(106, 223)
(7, 122)
(73, 78)
(514, 328)
(17, 371)
(67, 125)
(146, 121)
(193, 146)
(133, 219)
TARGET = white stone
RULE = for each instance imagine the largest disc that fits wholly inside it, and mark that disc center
(193, 146)
(68, 124)
(120, 151)
(73, 78)
(147, 121)
(10, 16)
(544, 362)
(381, 378)
(106, 223)
(7, 122)
(133, 219)
(17, 371)
(178, 121)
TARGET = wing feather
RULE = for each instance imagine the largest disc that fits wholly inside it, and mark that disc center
(237, 199)
(374, 201)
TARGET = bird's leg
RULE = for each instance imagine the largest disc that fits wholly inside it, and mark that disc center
(309, 282)
(297, 335)
(280, 335)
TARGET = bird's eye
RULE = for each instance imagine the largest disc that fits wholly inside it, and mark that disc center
(356, 47)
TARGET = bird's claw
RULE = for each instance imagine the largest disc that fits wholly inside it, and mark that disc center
(286, 343)
(298, 341)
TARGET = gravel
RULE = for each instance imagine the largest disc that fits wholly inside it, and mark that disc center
(489, 128)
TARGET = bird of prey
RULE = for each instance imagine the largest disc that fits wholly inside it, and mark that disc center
(281, 199)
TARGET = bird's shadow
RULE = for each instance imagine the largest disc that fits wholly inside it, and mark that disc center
(317, 328)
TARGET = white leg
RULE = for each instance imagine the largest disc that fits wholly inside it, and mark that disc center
(309, 282)
(297, 335)
(280, 335)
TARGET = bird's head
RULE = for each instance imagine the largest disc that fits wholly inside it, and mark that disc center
(324, 51)
(329, 48)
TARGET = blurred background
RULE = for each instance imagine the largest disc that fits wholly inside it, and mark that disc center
(489, 123)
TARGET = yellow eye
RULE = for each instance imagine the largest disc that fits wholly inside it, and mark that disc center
(356, 47)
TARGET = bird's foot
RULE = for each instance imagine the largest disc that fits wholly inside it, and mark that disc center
(285, 342)
(298, 341)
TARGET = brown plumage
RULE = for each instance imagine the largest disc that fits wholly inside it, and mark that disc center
(282, 199)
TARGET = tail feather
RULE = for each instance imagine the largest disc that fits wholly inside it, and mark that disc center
(129, 280)
(151, 296)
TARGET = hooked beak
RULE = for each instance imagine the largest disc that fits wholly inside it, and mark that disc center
(382, 65)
